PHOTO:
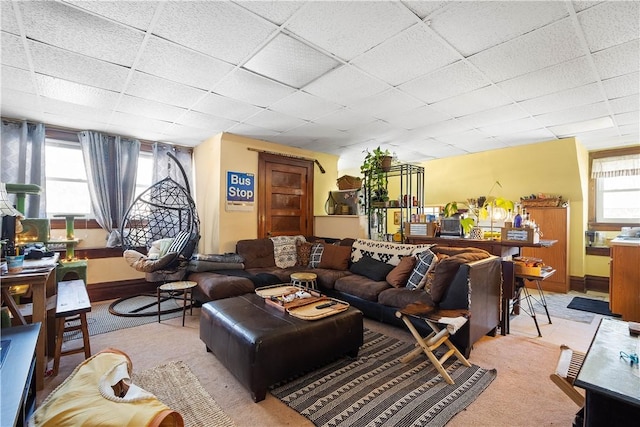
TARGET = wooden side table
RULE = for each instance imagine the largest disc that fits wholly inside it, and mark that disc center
(173, 288)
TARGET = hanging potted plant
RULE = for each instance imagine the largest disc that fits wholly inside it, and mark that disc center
(374, 167)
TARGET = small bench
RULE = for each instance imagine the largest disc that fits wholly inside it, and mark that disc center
(261, 345)
(72, 304)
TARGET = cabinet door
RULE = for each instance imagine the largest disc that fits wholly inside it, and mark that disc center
(625, 286)
(554, 224)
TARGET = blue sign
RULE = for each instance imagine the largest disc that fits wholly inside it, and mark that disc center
(240, 187)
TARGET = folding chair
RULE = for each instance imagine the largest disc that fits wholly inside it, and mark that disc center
(569, 364)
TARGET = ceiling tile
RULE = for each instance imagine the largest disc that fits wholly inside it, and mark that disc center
(481, 145)
(574, 129)
(344, 119)
(385, 104)
(275, 11)
(472, 102)
(572, 115)
(228, 108)
(19, 105)
(72, 122)
(75, 93)
(625, 104)
(313, 131)
(275, 121)
(147, 108)
(468, 137)
(583, 95)
(510, 127)
(446, 82)
(436, 130)
(252, 131)
(378, 131)
(176, 63)
(619, 87)
(618, 60)
(347, 29)
(627, 118)
(417, 118)
(412, 53)
(550, 80)
(551, 45)
(304, 106)
(345, 85)
(49, 22)
(437, 150)
(205, 121)
(13, 52)
(580, 5)
(223, 30)
(157, 89)
(424, 8)
(8, 18)
(188, 135)
(290, 61)
(527, 137)
(493, 116)
(138, 14)
(490, 23)
(84, 112)
(245, 86)
(610, 23)
(133, 122)
(17, 77)
(56, 62)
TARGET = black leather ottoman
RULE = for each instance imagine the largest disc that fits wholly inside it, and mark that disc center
(261, 345)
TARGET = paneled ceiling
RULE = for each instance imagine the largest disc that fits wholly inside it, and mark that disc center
(425, 79)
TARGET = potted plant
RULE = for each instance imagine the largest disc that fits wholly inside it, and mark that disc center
(374, 168)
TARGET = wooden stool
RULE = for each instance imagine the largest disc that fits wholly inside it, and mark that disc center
(430, 343)
(306, 280)
(72, 305)
(172, 288)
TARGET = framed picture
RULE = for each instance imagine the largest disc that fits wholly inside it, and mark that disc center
(396, 218)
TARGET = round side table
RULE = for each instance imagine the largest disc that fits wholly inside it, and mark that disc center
(307, 280)
(184, 286)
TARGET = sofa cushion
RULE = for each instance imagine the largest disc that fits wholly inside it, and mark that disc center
(327, 277)
(447, 268)
(361, 287)
(256, 252)
(402, 297)
(400, 274)
(335, 257)
(371, 268)
(303, 253)
(419, 274)
(388, 252)
(316, 255)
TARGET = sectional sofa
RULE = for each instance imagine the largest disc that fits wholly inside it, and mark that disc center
(376, 277)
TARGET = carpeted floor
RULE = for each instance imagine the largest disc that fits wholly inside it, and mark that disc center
(378, 389)
(557, 306)
(177, 387)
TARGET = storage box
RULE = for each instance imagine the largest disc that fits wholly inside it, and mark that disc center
(522, 268)
(427, 229)
(522, 235)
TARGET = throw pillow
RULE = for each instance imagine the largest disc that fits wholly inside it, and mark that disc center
(448, 267)
(371, 268)
(146, 265)
(335, 257)
(303, 253)
(400, 274)
(417, 278)
(284, 250)
(179, 242)
(316, 255)
(431, 272)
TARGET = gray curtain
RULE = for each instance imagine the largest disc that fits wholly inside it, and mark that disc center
(22, 162)
(164, 167)
(111, 163)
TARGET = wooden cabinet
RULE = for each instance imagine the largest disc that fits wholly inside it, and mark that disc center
(624, 292)
(554, 224)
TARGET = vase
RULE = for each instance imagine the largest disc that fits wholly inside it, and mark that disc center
(476, 233)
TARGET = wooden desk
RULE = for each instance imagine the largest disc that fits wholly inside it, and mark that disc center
(506, 250)
(43, 283)
(18, 394)
(612, 385)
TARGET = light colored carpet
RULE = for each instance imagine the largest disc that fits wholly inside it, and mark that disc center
(175, 385)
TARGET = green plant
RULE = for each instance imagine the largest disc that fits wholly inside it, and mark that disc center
(477, 208)
(375, 177)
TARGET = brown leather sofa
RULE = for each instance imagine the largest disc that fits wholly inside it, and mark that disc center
(473, 284)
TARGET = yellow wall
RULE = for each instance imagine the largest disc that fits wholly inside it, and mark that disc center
(221, 229)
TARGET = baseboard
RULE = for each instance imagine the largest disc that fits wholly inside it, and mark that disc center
(125, 288)
(589, 283)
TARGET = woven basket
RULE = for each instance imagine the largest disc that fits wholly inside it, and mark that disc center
(347, 182)
(541, 203)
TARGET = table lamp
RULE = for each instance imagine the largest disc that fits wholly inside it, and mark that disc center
(8, 227)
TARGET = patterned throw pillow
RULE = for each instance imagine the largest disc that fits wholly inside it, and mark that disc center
(303, 253)
(316, 255)
(179, 242)
(431, 272)
(284, 250)
(418, 276)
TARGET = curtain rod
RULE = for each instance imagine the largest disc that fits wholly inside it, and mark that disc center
(288, 155)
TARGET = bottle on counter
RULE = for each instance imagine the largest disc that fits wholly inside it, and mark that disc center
(508, 221)
(517, 221)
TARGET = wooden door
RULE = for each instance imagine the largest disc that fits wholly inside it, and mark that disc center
(554, 224)
(285, 196)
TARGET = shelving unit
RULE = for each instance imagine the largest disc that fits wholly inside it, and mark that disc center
(407, 180)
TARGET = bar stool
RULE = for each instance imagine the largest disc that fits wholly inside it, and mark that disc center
(306, 280)
(522, 292)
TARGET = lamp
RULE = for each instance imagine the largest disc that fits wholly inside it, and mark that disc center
(6, 207)
(8, 227)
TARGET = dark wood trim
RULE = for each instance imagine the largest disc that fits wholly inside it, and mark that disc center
(597, 283)
(78, 223)
(597, 250)
(577, 284)
(94, 253)
(125, 288)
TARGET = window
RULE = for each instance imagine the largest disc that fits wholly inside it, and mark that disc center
(615, 189)
(66, 179)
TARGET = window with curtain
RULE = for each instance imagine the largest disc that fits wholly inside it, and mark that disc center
(615, 188)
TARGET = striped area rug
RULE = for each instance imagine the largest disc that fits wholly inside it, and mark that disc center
(377, 389)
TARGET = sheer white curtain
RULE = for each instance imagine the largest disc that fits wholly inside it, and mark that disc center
(164, 167)
(22, 161)
(111, 163)
(609, 167)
